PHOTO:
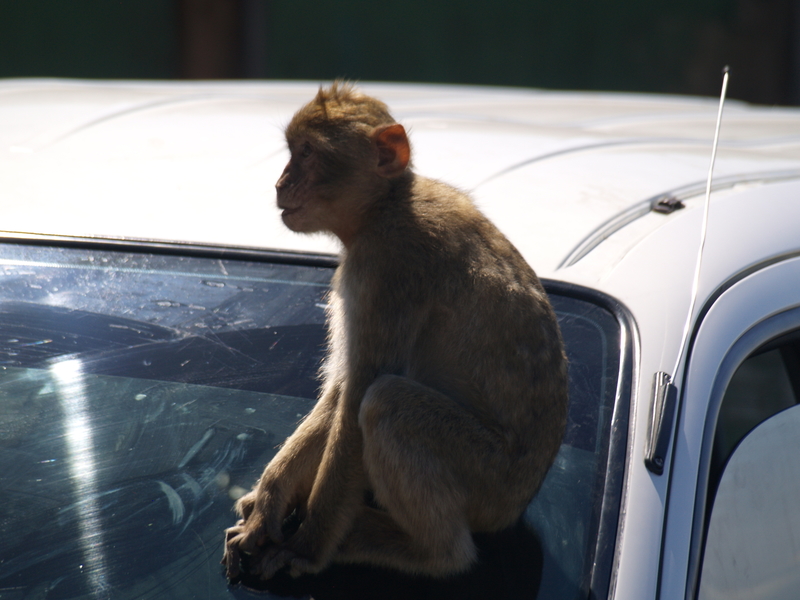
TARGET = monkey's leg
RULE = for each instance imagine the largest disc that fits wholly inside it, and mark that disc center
(378, 540)
(439, 472)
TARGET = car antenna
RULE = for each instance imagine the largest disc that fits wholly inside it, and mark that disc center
(665, 394)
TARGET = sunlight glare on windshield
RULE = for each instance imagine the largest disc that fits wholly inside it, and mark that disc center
(70, 383)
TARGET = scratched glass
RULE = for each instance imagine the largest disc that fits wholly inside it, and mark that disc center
(140, 393)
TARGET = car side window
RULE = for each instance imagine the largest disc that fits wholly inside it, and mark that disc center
(763, 385)
(753, 534)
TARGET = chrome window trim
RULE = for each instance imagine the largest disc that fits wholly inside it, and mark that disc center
(620, 452)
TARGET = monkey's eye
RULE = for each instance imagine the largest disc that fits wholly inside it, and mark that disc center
(306, 150)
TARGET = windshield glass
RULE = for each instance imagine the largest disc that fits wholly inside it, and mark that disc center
(141, 394)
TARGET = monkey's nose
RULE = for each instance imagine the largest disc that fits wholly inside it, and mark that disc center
(284, 181)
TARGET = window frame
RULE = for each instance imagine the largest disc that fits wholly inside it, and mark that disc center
(760, 334)
(620, 452)
(731, 307)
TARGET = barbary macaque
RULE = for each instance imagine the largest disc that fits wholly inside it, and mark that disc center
(444, 390)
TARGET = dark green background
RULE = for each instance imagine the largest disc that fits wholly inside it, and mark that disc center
(640, 45)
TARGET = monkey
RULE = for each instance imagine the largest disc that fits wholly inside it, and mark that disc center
(443, 395)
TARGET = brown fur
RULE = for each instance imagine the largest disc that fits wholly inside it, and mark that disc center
(445, 385)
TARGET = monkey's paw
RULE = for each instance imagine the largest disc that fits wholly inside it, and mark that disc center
(303, 553)
(284, 557)
(245, 545)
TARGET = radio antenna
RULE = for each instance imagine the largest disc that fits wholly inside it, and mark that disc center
(665, 394)
(704, 226)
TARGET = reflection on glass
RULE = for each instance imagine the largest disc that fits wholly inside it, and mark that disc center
(80, 458)
(752, 545)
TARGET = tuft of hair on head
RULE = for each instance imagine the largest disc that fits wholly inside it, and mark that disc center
(342, 120)
(343, 102)
(340, 91)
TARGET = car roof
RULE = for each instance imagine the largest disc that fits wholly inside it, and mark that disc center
(570, 177)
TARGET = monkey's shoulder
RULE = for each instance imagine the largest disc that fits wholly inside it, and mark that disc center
(452, 216)
(440, 201)
(435, 234)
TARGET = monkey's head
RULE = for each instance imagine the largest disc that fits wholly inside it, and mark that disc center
(346, 149)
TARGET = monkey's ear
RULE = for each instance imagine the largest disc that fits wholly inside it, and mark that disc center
(394, 151)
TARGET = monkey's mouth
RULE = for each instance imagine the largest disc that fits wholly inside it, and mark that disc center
(288, 211)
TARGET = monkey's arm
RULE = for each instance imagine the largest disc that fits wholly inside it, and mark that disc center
(284, 486)
(335, 500)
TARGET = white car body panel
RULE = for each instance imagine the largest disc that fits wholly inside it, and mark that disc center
(569, 177)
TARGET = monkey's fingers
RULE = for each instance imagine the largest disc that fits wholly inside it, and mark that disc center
(230, 533)
(231, 558)
(267, 520)
(235, 530)
(254, 504)
(244, 505)
(273, 531)
(264, 513)
(239, 540)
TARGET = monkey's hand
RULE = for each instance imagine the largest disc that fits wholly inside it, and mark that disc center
(299, 553)
(258, 533)
(265, 559)
(283, 490)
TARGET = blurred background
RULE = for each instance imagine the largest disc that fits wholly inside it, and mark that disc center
(678, 46)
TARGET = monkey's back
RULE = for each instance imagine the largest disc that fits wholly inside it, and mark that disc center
(457, 308)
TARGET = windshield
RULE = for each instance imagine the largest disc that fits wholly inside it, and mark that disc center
(141, 394)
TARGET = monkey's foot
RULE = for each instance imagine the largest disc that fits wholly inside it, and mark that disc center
(271, 561)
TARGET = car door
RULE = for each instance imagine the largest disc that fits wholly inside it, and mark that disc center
(740, 384)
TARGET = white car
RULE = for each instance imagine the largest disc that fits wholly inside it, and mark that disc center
(160, 333)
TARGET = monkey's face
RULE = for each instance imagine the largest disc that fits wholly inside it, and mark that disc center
(299, 190)
(326, 187)
(338, 168)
